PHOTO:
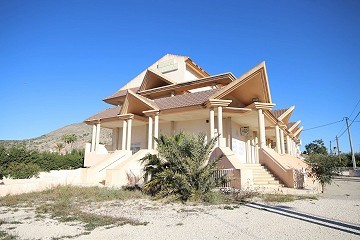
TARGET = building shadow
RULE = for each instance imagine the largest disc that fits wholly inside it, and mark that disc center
(321, 221)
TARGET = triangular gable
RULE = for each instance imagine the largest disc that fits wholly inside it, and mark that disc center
(136, 104)
(136, 82)
(297, 133)
(293, 125)
(285, 116)
(248, 87)
(196, 69)
(154, 79)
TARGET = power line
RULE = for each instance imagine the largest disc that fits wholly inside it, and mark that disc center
(349, 125)
(341, 129)
(354, 108)
(323, 125)
(349, 117)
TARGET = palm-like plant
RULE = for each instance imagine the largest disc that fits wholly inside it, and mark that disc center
(69, 139)
(59, 146)
(182, 169)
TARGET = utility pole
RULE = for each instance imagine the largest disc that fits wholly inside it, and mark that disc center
(338, 149)
(351, 147)
(330, 148)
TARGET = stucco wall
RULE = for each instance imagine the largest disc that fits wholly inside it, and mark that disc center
(238, 143)
(139, 136)
(193, 126)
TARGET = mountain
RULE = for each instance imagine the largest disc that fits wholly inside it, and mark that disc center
(47, 142)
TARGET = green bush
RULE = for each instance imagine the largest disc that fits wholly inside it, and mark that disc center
(23, 170)
(323, 167)
(32, 161)
(347, 158)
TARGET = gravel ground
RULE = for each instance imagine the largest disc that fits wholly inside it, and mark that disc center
(335, 215)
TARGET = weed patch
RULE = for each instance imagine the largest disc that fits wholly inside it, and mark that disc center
(285, 198)
(5, 236)
(63, 203)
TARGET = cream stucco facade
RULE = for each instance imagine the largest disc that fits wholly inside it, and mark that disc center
(260, 145)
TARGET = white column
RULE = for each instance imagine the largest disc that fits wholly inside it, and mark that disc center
(128, 141)
(220, 125)
(114, 138)
(118, 147)
(229, 132)
(93, 138)
(212, 123)
(293, 148)
(288, 145)
(156, 128)
(261, 128)
(282, 142)
(97, 140)
(248, 150)
(124, 130)
(252, 147)
(277, 137)
(150, 134)
(256, 142)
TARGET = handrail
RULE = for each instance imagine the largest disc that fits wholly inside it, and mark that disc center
(112, 162)
(286, 175)
(275, 161)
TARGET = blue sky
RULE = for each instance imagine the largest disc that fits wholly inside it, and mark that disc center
(58, 59)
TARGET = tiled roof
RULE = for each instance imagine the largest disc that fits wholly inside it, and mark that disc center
(184, 100)
(278, 112)
(123, 92)
(107, 113)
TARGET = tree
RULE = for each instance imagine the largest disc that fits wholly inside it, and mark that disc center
(59, 146)
(69, 139)
(323, 167)
(316, 146)
(181, 170)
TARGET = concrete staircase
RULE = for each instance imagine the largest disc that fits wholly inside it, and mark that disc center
(262, 177)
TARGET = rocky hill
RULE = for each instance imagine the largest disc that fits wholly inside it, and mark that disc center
(47, 142)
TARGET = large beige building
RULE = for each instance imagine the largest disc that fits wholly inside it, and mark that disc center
(260, 144)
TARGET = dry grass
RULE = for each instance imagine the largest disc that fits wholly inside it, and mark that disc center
(64, 203)
(5, 236)
(284, 198)
(70, 193)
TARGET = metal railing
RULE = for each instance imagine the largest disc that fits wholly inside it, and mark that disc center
(228, 173)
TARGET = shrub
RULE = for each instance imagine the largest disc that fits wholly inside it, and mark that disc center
(181, 170)
(323, 168)
(12, 158)
(23, 170)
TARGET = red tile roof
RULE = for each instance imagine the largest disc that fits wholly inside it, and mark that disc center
(107, 113)
(184, 100)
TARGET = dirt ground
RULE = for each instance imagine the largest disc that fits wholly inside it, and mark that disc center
(335, 215)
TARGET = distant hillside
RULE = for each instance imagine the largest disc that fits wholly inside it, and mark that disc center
(48, 141)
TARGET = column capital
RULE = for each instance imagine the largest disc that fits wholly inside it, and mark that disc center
(126, 116)
(261, 105)
(217, 102)
(150, 113)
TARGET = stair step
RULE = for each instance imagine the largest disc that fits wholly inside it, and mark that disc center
(266, 183)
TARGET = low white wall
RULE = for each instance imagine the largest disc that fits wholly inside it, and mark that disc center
(45, 181)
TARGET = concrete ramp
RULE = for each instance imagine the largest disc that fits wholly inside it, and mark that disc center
(128, 172)
(96, 174)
